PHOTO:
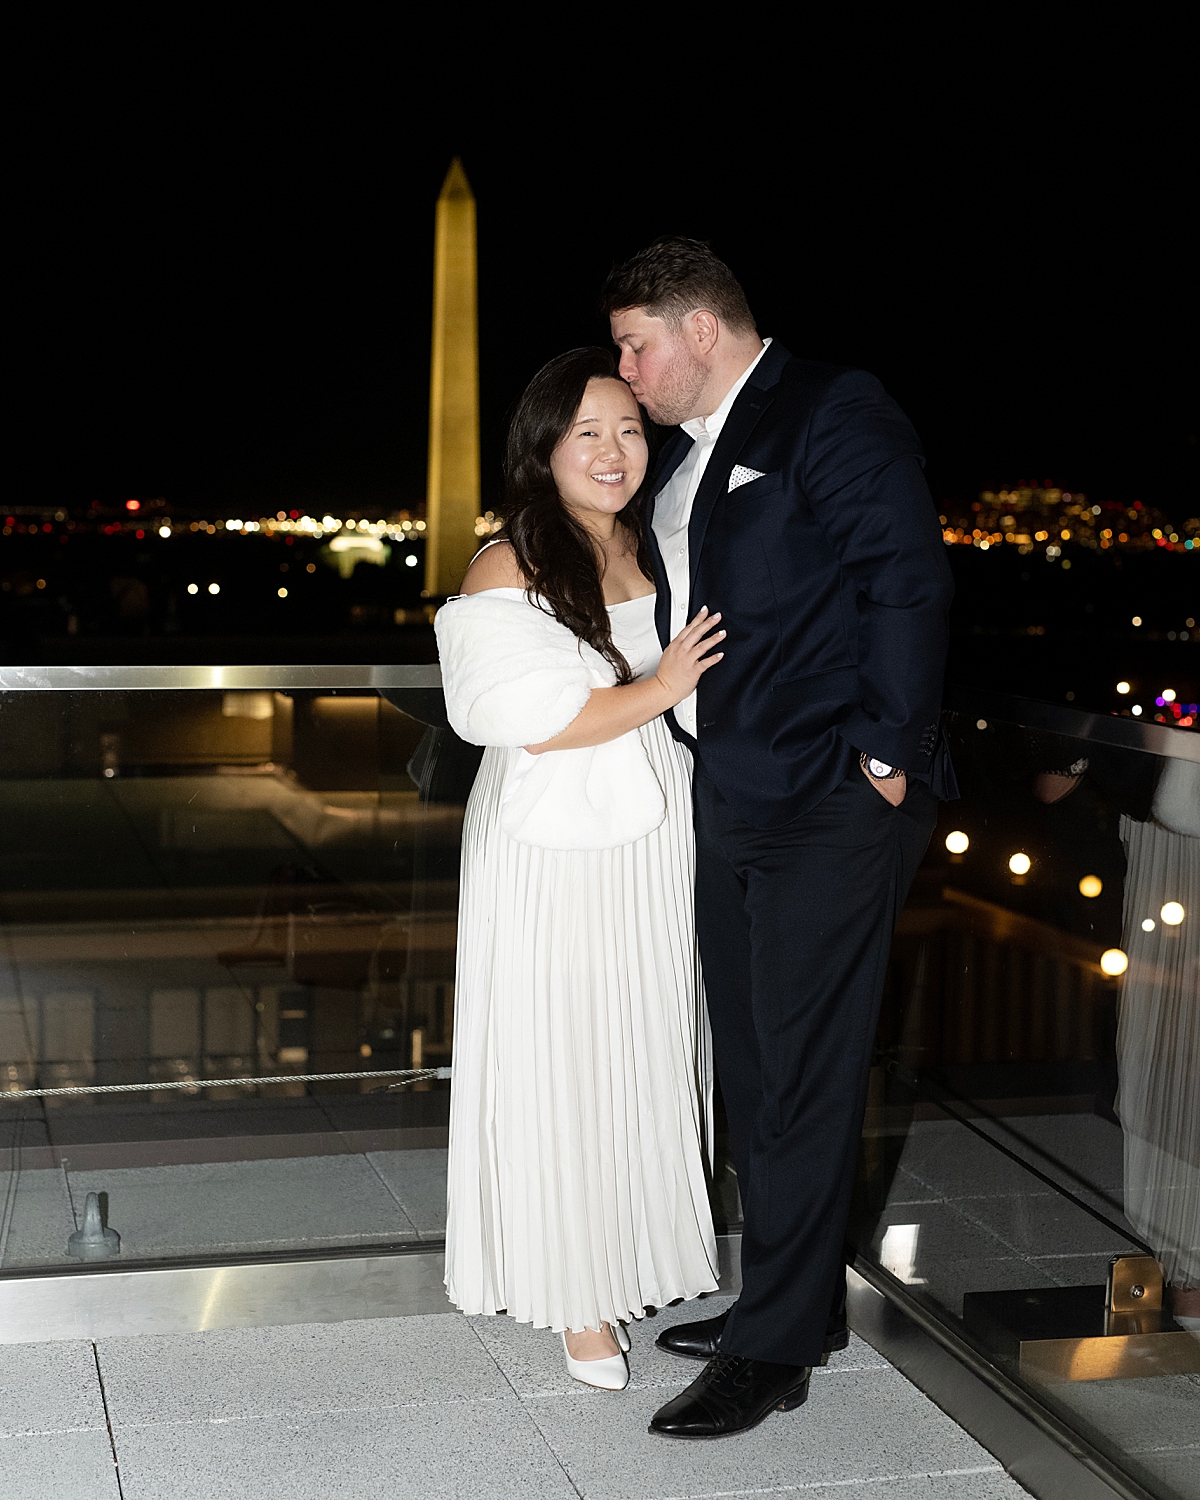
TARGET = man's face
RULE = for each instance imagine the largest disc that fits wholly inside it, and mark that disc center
(663, 370)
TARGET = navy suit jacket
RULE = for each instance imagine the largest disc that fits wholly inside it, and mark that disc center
(831, 576)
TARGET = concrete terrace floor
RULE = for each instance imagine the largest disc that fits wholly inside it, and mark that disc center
(445, 1406)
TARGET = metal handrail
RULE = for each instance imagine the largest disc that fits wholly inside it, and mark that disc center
(1028, 713)
(229, 679)
(1077, 723)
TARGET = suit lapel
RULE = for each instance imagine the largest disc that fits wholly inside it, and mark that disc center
(669, 460)
(662, 602)
(741, 422)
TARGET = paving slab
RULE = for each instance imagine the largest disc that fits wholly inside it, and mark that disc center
(49, 1388)
(58, 1466)
(906, 1188)
(1072, 1148)
(1043, 1225)
(370, 1364)
(246, 1205)
(943, 1233)
(1074, 1270)
(945, 1281)
(953, 1160)
(418, 1181)
(41, 1221)
(856, 1426)
(440, 1451)
(1138, 1415)
(1176, 1471)
(988, 1484)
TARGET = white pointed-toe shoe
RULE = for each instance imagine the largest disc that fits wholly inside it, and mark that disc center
(611, 1374)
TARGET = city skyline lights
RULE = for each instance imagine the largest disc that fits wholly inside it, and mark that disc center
(1044, 517)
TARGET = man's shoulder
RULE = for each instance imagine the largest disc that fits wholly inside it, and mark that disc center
(813, 380)
(840, 398)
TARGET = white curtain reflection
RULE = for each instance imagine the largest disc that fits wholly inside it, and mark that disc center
(1158, 1034)
(898, 1253)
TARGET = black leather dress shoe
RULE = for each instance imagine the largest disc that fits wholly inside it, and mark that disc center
(703, 1340)
(730, 1395)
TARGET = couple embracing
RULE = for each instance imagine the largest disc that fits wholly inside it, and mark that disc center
(709, 695)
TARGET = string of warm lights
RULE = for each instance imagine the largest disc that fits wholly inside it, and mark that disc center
(1113, 961)
(1044, 518)
(294, 523)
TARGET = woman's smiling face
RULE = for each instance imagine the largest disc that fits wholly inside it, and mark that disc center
(601, 460)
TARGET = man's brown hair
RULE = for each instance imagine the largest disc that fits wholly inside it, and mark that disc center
(673, 277)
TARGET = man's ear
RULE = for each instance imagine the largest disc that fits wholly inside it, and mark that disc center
(705, 329)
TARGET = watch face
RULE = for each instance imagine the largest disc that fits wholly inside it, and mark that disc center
(879, 768)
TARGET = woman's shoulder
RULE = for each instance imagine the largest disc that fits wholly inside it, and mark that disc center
(493, 567)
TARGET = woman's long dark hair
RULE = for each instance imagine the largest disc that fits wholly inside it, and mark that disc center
(557, 555)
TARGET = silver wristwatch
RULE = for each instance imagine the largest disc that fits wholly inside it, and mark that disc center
(878, 770)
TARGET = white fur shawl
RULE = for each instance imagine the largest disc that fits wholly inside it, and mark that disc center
(513, 676)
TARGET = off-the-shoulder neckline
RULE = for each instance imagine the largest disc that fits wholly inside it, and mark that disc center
(481, 593)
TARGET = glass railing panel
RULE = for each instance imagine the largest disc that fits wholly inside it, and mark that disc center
(1032, 1111)
(208, 884)
(201, 887)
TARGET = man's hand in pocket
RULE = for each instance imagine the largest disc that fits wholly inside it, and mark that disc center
(892, 790)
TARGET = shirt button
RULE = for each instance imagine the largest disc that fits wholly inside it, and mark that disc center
(682, 550)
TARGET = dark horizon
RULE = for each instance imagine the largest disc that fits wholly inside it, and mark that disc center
(229, 304)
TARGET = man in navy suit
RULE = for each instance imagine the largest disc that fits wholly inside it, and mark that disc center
(791, 499)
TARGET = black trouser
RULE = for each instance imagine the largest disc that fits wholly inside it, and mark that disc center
(794, 926)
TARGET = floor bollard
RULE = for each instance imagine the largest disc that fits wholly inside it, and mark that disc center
(93, 1241)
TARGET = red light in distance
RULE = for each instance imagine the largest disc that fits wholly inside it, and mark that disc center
(133, 505)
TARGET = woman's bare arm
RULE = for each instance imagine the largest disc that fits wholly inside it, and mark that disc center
(611, 712)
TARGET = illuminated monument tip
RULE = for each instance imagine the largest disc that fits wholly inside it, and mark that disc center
(452, 503)
(456, 184)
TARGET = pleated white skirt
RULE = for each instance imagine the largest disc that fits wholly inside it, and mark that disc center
(580, 1115)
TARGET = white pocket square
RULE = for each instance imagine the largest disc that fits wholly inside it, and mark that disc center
(739, 476)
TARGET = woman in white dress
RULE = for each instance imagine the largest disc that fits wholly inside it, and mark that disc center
(580, 1116)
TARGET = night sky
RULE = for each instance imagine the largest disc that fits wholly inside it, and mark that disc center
(224, 293)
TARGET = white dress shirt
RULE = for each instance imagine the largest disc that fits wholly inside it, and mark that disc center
(673, 513)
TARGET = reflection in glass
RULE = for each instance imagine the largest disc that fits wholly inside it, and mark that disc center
(201, 887)
(1033, 1112)
(1158, 1037)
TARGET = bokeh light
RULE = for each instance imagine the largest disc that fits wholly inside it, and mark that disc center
(1113, 962)
(957, 842)
(1020, 864)
(1091, 886)
(1172, 914)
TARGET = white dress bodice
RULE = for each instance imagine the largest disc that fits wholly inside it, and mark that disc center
(634, 635)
